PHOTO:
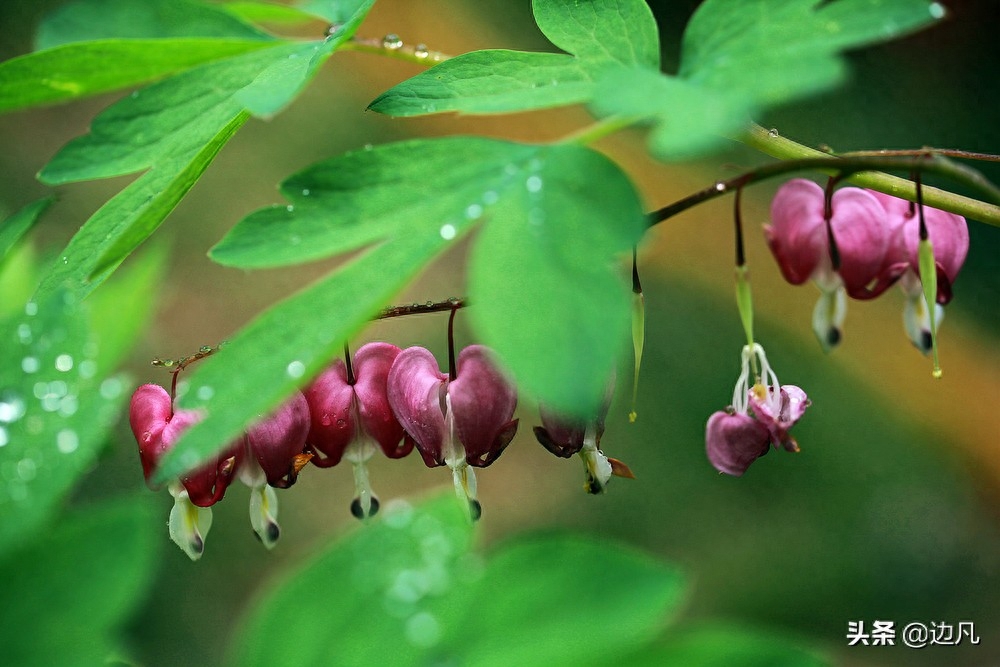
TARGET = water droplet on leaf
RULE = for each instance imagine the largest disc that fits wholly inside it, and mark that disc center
(420, 51)
(64, 363)
(295, 369)
(67, 441)
(448, 232)
(30, 364)
(392, 42)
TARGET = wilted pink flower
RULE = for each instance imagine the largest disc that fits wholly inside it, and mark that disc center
(459, 423)
(733, 441)
(737, 437)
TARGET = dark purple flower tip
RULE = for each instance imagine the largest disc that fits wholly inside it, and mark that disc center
(799, 240)
(734, 441)
(779, 414)
(277, 441)
(948, 233)
(341, 412)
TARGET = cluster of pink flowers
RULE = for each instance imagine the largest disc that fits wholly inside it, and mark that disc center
(851, 243)
(859, 243)
(387, 400)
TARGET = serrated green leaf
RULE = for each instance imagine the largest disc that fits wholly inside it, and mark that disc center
(78, 70)
(89, 20)
(66, 596)
(596, 34)
(726, 646)
(739, 58)
(55, 411)
(618, 31)
(174, 128)
(17, 225)
(382, 578)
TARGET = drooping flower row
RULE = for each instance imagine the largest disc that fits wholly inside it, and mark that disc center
(387, 400)
(859, 243)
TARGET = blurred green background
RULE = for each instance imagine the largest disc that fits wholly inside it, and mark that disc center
(888, 513)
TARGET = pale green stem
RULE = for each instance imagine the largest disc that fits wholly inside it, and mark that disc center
(408, 52)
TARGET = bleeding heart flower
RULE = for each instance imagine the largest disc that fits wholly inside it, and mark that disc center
(460, 422)
(799, 236)
(735, 438)
(351, 416)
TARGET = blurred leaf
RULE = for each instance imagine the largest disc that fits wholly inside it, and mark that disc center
(55, 411)
(66, 595)
(89, 20)
(266, 12)
(174, 129)
(407, 593)
(79, 70)
(17, 225)
(348, 14)
(739, 58)
(721, 646)
(364, 595)
(558, 600)
(596, 33)
(559, 223)
(18, 279)
(124, 308)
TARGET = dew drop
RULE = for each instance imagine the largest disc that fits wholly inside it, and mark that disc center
(135, 94)
(368, 147)
(31, 309)
(64, 363)
(720, 186)
(289, 208)
(341, 423)
(296, 369)
(490, 197)
(24, 333)
(332, 30)
(26, 469)
(420, 51)
(305, 192)
(534, 184)
(448, 232)
(67, 441)
(30, 364)
(392, 42)
(87, 369)
(473, 211)
(937, 10)
(326, 419)
(773, 132)
(65, 259)
(11, 407)
(423, 630)
(205, 349)
(112, 387)
(295, 239)
(205, 393)
(147, 437)
(68, 406)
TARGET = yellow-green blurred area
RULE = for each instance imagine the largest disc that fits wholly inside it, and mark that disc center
(888, 513)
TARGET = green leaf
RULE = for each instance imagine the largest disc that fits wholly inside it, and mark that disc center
(364, 596)
(55, 411)
(408, 593)
(266, 12)
(559, 600)
(554, 215)
(174, 129)
(597, 34)
(726, 646)
(79, 70)
(740, 58)
(17, 225)
(90, 20)
(776, 51)
(66, 596)
(348, 14)
(559, 224)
